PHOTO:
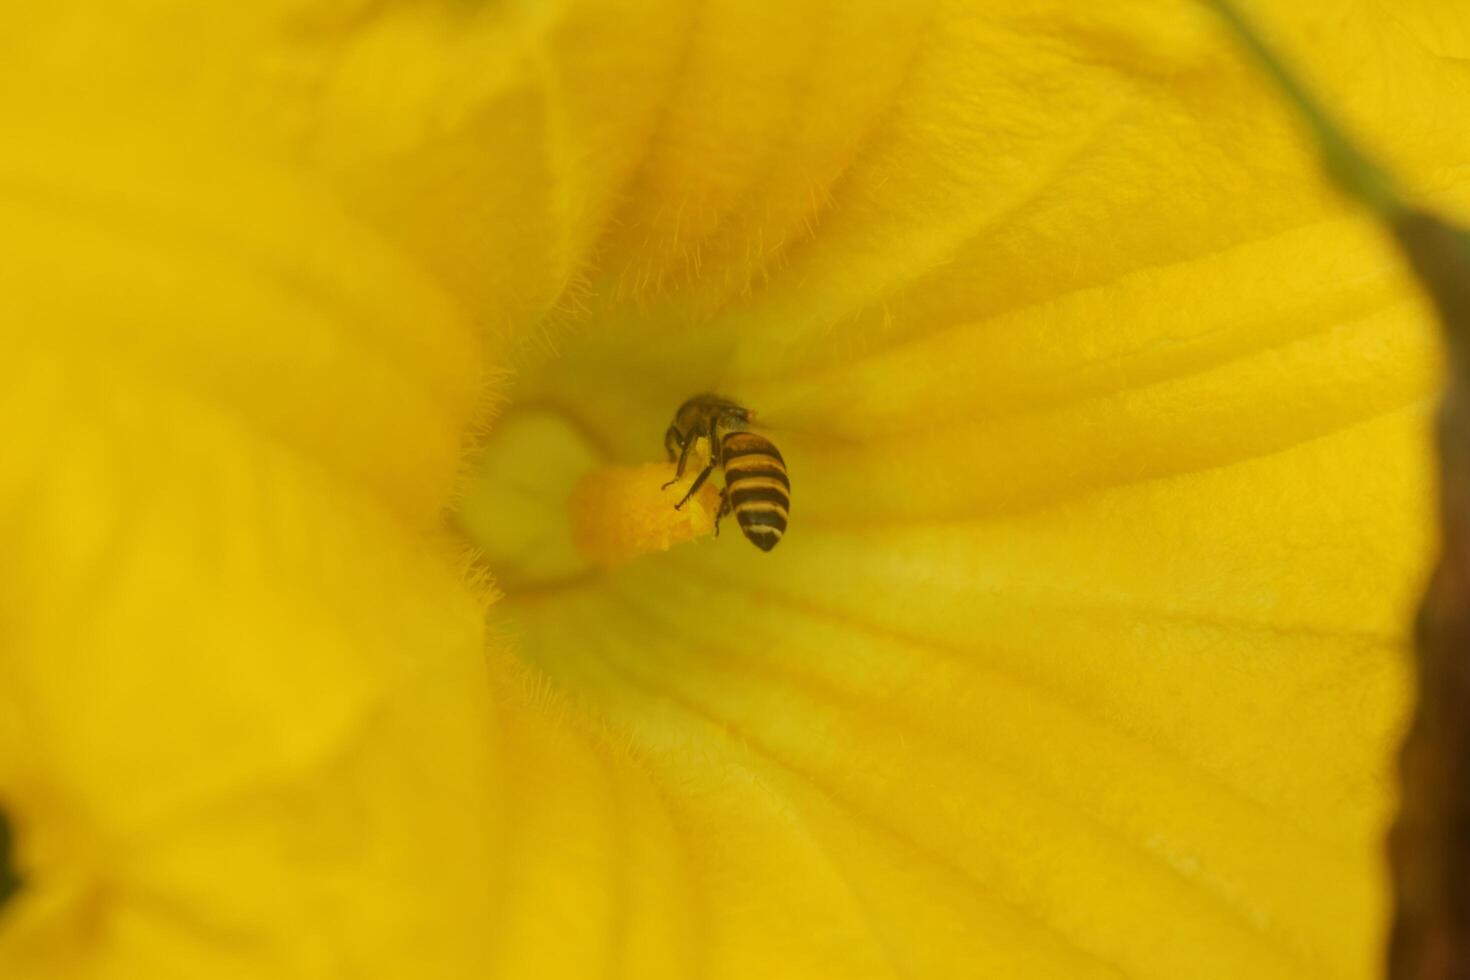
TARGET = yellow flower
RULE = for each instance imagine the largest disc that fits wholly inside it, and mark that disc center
(1083, 655)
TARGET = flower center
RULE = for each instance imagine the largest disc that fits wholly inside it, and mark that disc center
(547, 504)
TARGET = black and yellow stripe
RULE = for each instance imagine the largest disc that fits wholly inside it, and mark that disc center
(757, 487)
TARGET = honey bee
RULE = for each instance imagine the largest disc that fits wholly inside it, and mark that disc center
(756, 485)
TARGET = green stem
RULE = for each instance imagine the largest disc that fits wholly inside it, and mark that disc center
(1357, 175)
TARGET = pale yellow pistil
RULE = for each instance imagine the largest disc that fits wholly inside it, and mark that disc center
(544, 507)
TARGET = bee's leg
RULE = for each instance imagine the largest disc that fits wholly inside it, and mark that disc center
(724, 508)
(698, 482)
(714, 443)
(673, 438)
(712, 435)
(685, 446)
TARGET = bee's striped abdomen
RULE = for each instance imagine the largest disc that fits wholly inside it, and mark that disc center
(759, 490)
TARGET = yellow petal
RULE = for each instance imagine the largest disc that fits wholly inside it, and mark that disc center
(1084, 652)
(243, 676)
(1082, 656)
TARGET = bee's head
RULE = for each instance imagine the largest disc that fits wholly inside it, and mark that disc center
(705, 409)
